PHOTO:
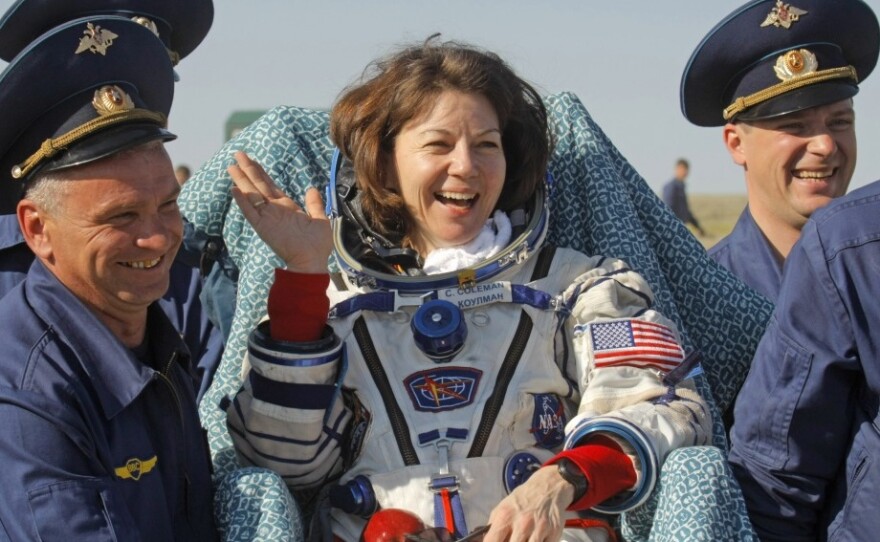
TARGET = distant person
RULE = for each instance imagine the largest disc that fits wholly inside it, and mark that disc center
(183, 173)
(780, 79)
(675, 197)
(101, 434)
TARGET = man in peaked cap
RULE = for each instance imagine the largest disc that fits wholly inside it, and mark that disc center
(181, 25)
(101, 437)
(780, 77)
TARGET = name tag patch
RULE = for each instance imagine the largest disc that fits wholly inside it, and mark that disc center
(477, 295)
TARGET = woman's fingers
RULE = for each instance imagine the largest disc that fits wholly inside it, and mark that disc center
(253, 180)
(301, 237)
(245, 203)
(315, 204)
(255, 174)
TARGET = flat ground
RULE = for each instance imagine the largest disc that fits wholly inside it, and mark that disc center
(717, 214)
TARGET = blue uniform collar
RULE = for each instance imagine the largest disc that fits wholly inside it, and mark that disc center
(750, 257)
(117, 376)
(10, 233)
(754, 238)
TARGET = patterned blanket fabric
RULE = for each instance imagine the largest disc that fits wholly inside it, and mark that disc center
(599, 205)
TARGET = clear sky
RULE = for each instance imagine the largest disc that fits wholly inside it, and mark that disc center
(623, 58)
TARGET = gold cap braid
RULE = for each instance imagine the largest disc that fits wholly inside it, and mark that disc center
(745, 102)
(52, 146)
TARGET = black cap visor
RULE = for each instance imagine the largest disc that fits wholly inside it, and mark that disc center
(797, 100)
(100, 145)
(107, 143)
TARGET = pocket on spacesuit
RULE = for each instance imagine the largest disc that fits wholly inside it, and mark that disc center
(79, 510)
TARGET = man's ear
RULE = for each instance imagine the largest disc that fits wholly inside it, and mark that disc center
(735, 142)
(33, 221)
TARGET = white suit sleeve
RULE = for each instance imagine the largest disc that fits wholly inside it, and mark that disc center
(290, 415)
(624, 351)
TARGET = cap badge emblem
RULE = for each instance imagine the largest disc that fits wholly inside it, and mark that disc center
(783, 15)
(148, 23)
(795, 63)
(95, 40)
(111, 99)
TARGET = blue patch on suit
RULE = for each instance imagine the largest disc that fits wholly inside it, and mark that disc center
(443, 388)
(548, 420)
(360, 421)
(518, 469)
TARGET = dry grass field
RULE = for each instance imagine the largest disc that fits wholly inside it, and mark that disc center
(717, 214)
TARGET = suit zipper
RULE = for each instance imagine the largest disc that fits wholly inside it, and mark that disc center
(502, 382)
(164, 376)
(395, 415)
(511, 360)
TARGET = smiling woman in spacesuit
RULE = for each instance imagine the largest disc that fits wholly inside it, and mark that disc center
(467, 372)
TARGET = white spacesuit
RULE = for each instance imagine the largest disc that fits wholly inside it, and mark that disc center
(444, 392)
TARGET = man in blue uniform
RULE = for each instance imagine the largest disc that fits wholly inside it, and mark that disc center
(675, 196)
(22, 24)
(780, 77)
(807, 427)
(101, 436)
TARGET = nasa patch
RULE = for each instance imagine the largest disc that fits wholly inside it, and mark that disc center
(548, 420)
(443, 388)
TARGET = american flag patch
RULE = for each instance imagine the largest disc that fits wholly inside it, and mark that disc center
(635, 343)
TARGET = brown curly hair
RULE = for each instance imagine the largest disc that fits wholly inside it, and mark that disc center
(394, 90)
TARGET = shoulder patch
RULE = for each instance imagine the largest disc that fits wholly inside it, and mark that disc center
(635, 343)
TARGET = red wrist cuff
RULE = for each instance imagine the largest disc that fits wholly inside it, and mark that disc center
(608, 470)
(298, 306)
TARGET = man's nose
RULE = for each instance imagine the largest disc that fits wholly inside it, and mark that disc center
(158, 232)
(822, 143)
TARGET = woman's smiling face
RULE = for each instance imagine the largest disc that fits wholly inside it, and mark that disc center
(449, 168)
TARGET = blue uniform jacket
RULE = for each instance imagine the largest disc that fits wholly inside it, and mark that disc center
(807, 431)
(181, 302)
(747, 254)
(95, 444)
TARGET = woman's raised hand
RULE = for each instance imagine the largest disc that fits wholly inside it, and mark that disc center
(300, 237)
